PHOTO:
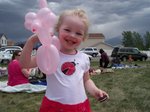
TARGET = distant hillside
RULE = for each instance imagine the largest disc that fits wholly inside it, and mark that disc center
(116, 41)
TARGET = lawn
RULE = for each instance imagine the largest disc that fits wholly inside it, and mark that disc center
(129, 91)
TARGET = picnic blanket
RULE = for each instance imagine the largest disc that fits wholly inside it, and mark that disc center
(123, 66)
(28, 88)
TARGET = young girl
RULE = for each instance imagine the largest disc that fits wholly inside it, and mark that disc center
(66, 87)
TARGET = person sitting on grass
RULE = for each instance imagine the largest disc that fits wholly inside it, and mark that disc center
(115, 62)
(104, 60)
(16, 74)
(130, 59)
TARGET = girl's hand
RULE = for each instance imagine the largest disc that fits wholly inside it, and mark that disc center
(101, 95)
(34, 38)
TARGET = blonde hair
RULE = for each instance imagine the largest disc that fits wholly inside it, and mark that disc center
(75, 12)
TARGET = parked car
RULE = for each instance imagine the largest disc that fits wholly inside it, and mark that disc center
(124, 52)
(93, 51)
(10, 47)
(6, 55)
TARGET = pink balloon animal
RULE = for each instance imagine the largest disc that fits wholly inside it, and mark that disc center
(43, 24)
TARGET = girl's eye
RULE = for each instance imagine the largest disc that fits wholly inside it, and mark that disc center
(80, 34)
(67, 30)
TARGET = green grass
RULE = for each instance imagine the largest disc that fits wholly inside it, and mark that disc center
(129, 91)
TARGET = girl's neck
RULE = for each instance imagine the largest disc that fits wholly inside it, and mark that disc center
(67, 51)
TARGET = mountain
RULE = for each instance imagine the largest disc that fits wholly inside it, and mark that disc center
(115, 41)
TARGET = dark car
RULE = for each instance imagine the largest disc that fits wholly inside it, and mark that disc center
(124, 52)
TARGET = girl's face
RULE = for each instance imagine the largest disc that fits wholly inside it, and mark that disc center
(71, 33)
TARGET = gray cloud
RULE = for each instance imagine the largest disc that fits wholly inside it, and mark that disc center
(110, 17)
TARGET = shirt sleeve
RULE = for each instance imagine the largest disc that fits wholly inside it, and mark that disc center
(87, 63)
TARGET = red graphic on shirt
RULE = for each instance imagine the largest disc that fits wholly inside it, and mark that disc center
(68, 68)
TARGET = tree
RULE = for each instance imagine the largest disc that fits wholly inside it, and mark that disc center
(127, 40)
(138, 40)
(147, 40)
(133, 39)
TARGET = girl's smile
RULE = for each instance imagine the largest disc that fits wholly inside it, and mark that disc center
(70, 40)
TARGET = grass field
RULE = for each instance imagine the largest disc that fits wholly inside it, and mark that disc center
(129, 91)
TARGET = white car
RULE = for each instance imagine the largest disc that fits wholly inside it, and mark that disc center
(6, 55)
(93, 51)
(2, 49)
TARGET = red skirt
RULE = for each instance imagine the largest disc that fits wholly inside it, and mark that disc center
(53, 106)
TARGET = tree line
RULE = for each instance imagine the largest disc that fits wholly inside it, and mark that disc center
(134, 39)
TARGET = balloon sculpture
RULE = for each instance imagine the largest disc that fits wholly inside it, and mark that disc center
(42, 24)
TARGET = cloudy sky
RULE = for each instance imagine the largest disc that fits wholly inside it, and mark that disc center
(110, 17)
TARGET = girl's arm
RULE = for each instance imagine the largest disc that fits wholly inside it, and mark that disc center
(92, 88)
(25, 59)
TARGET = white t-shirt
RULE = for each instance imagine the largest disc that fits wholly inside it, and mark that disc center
(66, 85)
